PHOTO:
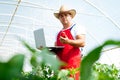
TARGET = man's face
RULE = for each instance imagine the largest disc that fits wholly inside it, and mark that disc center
(65, 18)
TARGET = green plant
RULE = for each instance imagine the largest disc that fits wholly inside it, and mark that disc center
(45, 66)
(91, 58)
(12, 69)
(105, 71)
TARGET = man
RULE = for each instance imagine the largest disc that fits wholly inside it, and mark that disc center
(72, 37)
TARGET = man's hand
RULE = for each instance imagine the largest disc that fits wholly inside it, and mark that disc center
(41, 47)
(64, 40)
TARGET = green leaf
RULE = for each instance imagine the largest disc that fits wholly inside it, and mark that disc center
(12, 68)
(50, 59)
(88, 61)
(28, 47)
(63, 74)
(92, 57)
(33, 61)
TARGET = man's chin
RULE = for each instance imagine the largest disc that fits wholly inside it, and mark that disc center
(65, 23)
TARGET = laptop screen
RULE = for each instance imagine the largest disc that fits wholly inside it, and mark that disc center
(39, 38)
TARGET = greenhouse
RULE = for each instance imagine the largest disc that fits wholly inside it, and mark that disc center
(20, 18)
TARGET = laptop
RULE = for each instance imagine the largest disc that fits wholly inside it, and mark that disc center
(40, 41)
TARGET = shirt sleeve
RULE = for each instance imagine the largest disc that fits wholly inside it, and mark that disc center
(79, 30)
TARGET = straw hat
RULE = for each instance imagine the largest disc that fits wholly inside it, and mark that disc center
(64, 9)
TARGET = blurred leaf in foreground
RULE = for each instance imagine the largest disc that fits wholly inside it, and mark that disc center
(13, 68)
(92, 57)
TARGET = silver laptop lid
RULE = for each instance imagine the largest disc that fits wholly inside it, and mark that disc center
(39, 38)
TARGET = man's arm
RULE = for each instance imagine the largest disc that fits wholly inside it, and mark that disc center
(79, 42)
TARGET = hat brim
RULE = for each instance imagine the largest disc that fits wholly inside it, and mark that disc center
(72, 12)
